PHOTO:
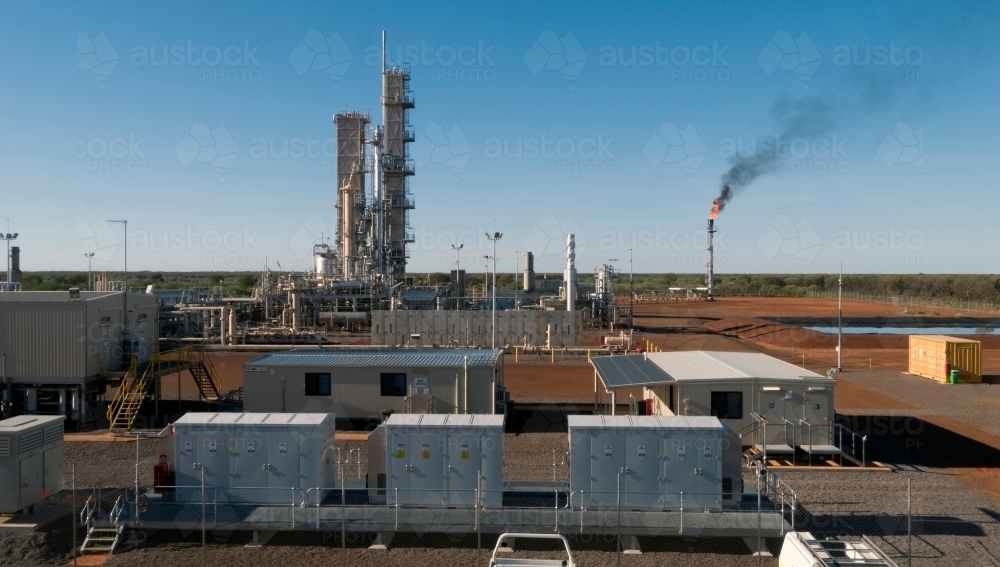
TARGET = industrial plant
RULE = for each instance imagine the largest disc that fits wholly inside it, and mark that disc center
(369, 414)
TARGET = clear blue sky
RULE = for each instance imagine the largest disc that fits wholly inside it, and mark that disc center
(208, 127)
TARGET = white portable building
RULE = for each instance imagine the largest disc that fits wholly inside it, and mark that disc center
(437, 460)
(253, 457)
(663, 462)
(31, 460)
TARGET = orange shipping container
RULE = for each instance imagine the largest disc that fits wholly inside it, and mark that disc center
(933, 356)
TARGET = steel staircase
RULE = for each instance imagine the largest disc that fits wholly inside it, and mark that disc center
(103, 532)
(130, 395)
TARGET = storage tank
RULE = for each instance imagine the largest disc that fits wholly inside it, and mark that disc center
(529, 272)
(658, 457)
(323, 259)
(31, 460)
(436, 459)
(253, 457)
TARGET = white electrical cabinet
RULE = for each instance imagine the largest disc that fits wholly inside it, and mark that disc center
(661, 460)
(437, 459)
(31, 460)
(254, 457)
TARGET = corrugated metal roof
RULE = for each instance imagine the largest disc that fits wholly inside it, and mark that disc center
(52, 296)
(629, 370)
(22, 422)
(445, 420)
(644, 422)
(682, 366)
(254, 419)
(379, 357)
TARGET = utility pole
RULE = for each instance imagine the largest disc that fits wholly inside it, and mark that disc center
(631, 298)
(458, 273)
(125, 286)
(496, 236)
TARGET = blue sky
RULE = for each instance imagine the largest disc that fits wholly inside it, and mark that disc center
(533, 117)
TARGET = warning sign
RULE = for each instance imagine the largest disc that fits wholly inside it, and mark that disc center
(282, 449)
(425, 451)
(642, 452)
(681, 453)
(400, 451)
(463, 452)
(251, 450)
(188, 448)
(607, 452)
(708, 452)
(211, 448)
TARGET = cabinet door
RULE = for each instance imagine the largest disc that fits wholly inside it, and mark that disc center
(427, 479)
(464, 458)
(680, 470)
(607, 459)
(398, 465)
(283, 461)
(32, 480)
(53, 463)
(212, 451)
(249, 454)
(709, 473)
(641, 486)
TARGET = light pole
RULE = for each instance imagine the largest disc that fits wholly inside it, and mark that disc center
(458, 273)
(840, 314)
(631, 298)
(611, 300)
(90, 281)
(8, 286)
(496, 236)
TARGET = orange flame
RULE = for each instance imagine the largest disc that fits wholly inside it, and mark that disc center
(716, 209)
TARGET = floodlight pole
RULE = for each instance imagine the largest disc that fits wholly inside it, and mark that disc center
(496, 236)
(458, 273)
(840, 316)
(90, 279)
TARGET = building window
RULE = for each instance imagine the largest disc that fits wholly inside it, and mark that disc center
(317, 383)
(393, 384)
(727, 405)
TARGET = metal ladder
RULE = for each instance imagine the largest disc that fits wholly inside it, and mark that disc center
(103, 534)
(131, 393)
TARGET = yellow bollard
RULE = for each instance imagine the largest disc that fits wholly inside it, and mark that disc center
(588, 356)
(517, 351)
(552, 351)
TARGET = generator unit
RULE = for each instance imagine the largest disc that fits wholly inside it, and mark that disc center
(251, 457)
(436, 459)
(661, 462)
(31, 460)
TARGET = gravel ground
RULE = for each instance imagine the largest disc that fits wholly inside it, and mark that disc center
(975, 404)
(109, 464)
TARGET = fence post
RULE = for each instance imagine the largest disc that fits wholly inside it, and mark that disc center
(343, 512)
(682, 514)
(557, 509)
(479, 530)
(73, 512)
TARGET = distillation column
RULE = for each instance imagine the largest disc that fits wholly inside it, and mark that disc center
(351, 149)
(396, 166)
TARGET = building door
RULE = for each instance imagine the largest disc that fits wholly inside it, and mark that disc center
(641, 486)
(773, 408)
(420, 395)
(816, 411)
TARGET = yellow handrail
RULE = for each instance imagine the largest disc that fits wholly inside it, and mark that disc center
(123, 389)
(207, 361)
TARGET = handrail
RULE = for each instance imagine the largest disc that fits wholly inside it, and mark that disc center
(116, 511)
(122, 392)
(87, 511)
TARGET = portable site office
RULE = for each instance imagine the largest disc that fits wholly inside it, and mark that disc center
(795, 403)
